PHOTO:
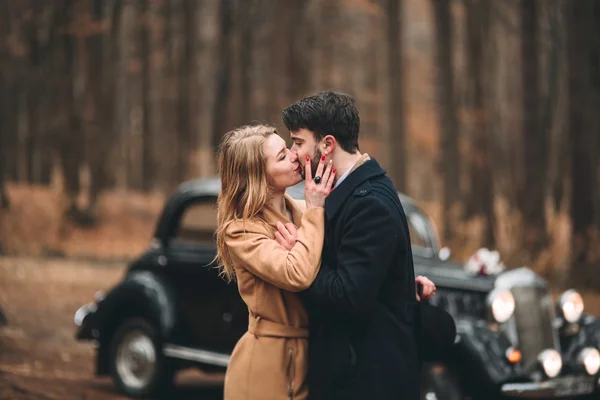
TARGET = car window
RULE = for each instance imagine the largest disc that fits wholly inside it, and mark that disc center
(420, 239)
(198, 223)
(417, 231)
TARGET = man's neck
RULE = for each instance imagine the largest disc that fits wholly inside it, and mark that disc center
(343, 161)
(277, 201)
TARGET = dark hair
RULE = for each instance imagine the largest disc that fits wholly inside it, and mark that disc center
(326, 113)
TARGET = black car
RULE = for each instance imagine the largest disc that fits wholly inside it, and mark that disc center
(172, 311)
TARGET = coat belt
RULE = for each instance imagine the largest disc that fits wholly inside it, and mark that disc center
(264, 328)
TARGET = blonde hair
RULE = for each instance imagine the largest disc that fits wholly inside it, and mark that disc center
(244, 186)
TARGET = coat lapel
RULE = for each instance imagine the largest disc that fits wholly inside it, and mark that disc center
(363, 172)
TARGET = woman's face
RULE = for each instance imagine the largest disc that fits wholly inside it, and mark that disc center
(282, 172)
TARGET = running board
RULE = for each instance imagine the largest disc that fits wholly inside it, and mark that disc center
(197, 355)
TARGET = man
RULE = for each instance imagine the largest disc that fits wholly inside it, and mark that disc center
(363, 336)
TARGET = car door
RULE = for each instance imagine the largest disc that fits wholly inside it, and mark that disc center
(213, 312)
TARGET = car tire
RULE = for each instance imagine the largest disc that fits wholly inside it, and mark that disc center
(438, 383)
(137, 364)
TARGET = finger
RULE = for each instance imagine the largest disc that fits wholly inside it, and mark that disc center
(292, 229)
(283, 231)
(280, 239)
(327, 171)
(308, 171)
(331, 179)
(320, 168)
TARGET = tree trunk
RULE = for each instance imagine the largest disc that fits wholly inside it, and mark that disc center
(67, 130)
(224, 72)
(481, 179)
(102, 80)
(246, 18)
(595, 75)
(4, 110)
(580, 122)
(149, 166)
(205, 74)
(157, 44)
(186, 12)
(532, 194)
(397, 122)
(450, 162)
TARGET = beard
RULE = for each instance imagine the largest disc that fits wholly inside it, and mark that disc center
(314, 163)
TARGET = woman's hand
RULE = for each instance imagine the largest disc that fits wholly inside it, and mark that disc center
(315, 193)
(286, 235)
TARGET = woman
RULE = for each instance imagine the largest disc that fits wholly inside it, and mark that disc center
(269, 361)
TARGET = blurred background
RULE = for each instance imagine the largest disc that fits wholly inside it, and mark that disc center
(486, 112)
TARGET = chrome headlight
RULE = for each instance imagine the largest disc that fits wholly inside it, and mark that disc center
(501, 304)
(551, 362)
(570, 306)
(589, 358)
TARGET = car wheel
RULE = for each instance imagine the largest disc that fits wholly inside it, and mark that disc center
(137, 365)
(440, 384)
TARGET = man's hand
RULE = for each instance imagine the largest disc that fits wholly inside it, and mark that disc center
(428, 287)
(286, 235)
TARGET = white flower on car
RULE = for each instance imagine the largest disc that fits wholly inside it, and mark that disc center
(485, 262)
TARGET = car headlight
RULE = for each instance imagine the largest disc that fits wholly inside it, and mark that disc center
(551, 362)
(570, 306)
(589, 358)
(502, 304)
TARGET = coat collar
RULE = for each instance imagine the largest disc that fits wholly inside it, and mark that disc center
(363, 172)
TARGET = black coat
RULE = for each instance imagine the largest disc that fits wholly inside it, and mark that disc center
(362, 306)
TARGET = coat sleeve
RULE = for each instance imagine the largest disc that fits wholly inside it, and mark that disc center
(368, 243)
(254, 249)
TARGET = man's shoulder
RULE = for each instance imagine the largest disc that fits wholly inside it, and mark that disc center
(375, 196)
(380, 188)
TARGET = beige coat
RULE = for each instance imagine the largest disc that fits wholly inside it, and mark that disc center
(270, 360)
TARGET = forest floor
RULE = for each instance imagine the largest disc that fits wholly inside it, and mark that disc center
(39, 356)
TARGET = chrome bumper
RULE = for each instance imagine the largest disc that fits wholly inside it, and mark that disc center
(83, 312)
(85, 327)
(558, 387)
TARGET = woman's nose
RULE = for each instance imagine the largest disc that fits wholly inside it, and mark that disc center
(293, 156)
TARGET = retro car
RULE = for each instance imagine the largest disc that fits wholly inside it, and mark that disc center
(172, 311)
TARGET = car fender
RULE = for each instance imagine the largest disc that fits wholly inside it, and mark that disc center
(141, 293)
(483, 351)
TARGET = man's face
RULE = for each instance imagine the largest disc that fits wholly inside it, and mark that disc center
(304, 146)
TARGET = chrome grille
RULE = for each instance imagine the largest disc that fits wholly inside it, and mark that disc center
(534, 313)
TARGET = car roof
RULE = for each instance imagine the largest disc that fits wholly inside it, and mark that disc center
(212, 186)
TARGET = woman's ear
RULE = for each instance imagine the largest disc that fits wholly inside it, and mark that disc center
(328, 144)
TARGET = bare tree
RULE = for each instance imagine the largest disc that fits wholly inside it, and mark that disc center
(184, 16)
(450, 162)
(101, 80)
(581, 134)
(481, 179)
(535, 143)
(66, 126)
(224, 70)
(4, 104)
(156, 23)
(204, 84)
(397, 115)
